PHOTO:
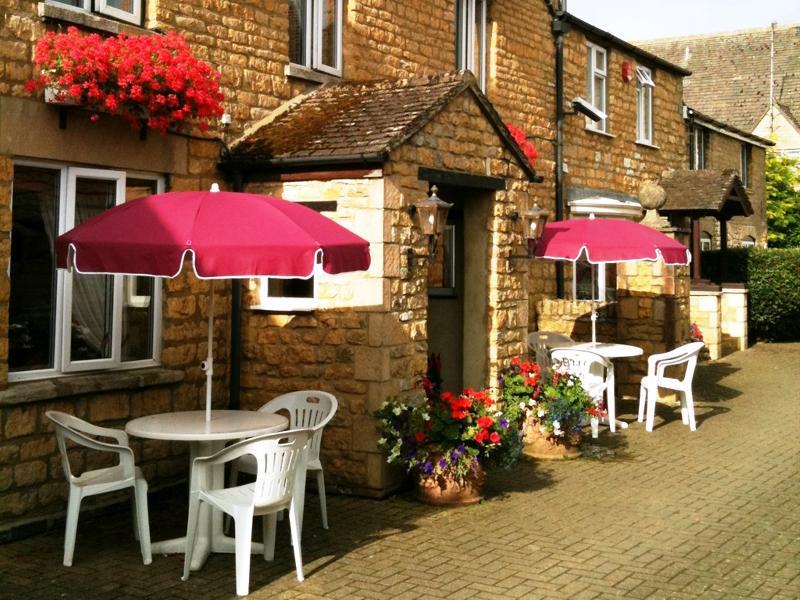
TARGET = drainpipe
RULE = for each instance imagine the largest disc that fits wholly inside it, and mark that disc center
(560, 27)
(772, 79)
(236, 324)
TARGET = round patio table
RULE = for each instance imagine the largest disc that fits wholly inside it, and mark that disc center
(611, 351)
(205, 438)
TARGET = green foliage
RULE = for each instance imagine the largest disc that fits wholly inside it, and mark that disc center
(772, 277)
(774, 303)
(783, 200)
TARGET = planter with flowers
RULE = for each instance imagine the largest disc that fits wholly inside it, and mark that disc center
(446, 441)
(551, 406)
(150, 80)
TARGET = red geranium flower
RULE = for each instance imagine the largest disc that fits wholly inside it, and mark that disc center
(420, 437)
(494, 437)
(485, 422)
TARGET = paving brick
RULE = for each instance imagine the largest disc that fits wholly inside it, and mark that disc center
(670, 514)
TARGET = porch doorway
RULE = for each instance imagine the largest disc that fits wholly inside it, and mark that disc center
(458, 291)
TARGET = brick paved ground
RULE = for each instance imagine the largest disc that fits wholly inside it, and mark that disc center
(671, 514)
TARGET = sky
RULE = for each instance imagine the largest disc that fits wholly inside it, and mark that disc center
(647, 19)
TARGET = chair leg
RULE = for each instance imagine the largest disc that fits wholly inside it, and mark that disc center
(652, 396)
(134, 513)
(322, 501)
(689, 399)
(191, 534)
(243, 524)
(142, 519)
(642, 401)
(684, 410)
(232, 483)
(595, 424)
(611, 403)
(294, 527)
(73, 510)
(269, 525)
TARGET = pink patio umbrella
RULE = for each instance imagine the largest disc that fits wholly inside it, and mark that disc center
(226, 235)
(600, 241)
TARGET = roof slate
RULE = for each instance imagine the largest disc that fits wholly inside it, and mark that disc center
(731, 72)
(706, 192)
(360, 119)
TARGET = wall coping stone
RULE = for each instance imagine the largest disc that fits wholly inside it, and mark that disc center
(24, 392)
(704, 293)
(77, 16)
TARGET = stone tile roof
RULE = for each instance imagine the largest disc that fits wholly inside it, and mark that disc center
(731, 72)
(706, 192)
(359, 121)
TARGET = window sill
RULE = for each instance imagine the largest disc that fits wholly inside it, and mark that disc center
(647, 145)
(301, 72)
(598, 132)
(24, 392)
(84, 19)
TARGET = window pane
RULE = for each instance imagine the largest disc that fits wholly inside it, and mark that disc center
(32, 304)
(76, 3)
(123, 5)
(297, 31)
(291, 288)
(138, 308)
(92, 295)
(611, 282)
(600, 60)
(583, 280)
(479, 49)
(329, 33)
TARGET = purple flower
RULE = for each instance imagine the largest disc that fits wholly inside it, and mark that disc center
(454, 456)
(427, 467)
(504, 423)
(442, 463)
(461, 449)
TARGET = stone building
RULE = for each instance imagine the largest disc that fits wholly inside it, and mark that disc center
(747, 79)
(357, 111)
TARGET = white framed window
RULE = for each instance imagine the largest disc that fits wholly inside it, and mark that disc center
(605, 282)
(596, 76)
(744, 164)
(62, 322)
(698, 139)
(706, 241)
(472, 46)
(122, 10)
(315, 35)
(644, 105)
(291, 294)
(749, 242)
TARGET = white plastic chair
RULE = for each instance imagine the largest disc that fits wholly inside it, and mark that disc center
(308, 409)
(99, 481)
(655, 378)
(597, 377)
(279, 461)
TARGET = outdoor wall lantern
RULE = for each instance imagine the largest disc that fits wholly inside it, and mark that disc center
(431, 216)
(533, 221)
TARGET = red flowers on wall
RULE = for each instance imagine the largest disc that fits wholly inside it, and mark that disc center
(528, 149)
(151, 78)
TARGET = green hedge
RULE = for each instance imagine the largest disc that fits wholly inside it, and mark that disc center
(772, 277)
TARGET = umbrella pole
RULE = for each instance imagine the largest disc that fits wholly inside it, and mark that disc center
(594, 308)
(208, 364)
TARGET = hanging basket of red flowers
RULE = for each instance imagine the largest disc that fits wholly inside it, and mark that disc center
(153, 80)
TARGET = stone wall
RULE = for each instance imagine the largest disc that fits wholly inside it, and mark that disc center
(724, 152)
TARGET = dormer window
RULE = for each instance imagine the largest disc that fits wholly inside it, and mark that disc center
(644, 105)
(315, 35)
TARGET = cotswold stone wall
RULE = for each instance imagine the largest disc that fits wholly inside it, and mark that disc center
(368, 353)
(724, 152)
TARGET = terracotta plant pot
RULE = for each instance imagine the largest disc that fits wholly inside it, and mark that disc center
(446, 490)
(539, 445)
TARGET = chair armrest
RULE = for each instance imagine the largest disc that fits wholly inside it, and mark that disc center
(126, 456)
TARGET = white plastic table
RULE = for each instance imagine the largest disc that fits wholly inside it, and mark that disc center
(611, 350)
(205, 438)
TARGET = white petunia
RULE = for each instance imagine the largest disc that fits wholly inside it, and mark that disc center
(540, 412)
(556, 424)
(397, 410)
(522, 405)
